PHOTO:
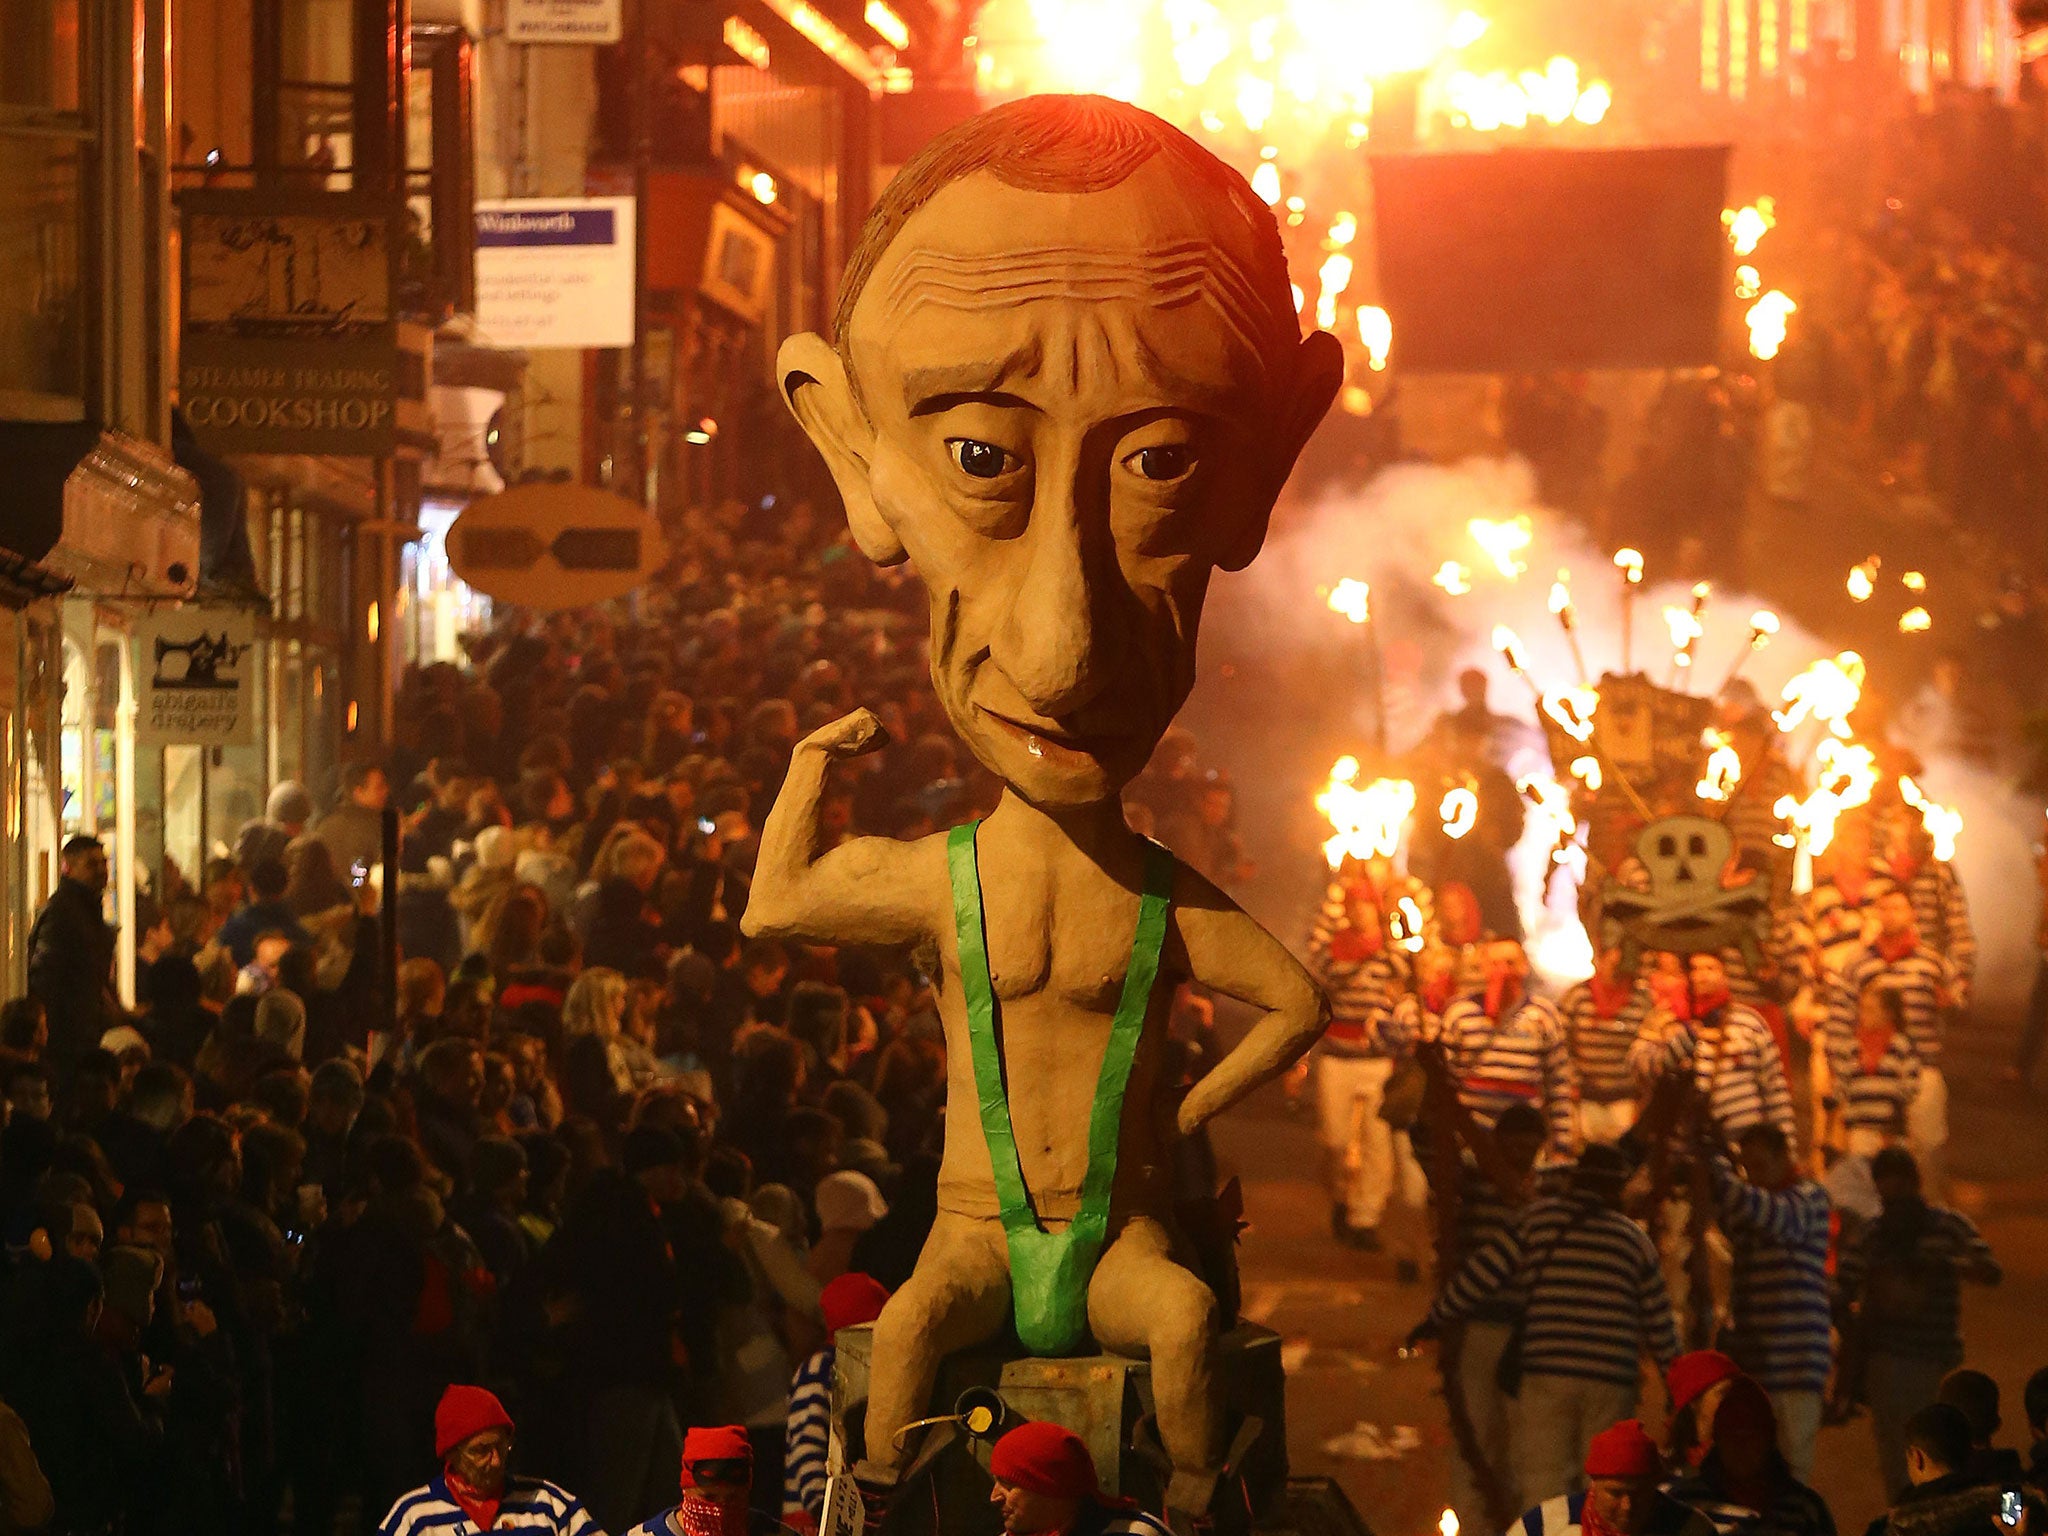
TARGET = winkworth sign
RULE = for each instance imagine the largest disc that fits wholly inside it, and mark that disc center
(555, 272)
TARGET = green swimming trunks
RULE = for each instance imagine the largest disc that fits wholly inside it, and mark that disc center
(1050, 1271)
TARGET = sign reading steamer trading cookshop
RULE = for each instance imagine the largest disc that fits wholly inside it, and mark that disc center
(555, 272)
(290, 340)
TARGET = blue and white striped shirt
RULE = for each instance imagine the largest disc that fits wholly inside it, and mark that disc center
(529, 1504)
(1521, 1059)
(1875, 1100)
(1734, 1062)
(1920, 979)
(1590, 1284)
(1781, 1296)
(1600, 1044)
(807, 1440)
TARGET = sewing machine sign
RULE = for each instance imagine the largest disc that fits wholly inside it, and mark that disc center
(195, 676)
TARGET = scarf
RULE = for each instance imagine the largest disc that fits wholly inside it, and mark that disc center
(701, 1517)
(1610, 997)
(1591, 1524)
(481, 1508)
(1503, 987)
(1903, 865)
(1436, 992)
(1872, 1042)
(1672, 995)
(1896, 946)
(1713, 1000)
(1350, 945)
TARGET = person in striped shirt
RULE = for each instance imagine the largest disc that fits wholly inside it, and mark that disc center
(1362, 969)
(1941, 910)
(1602, 1017)
(1621, 1498)
(717, 1489)
(1593, 1300)
(1726, 1050)
(1898, 958)
(1898, 1301)
(1874, 1067)
(1507, 1047)
(1779, 1225)
(1046, 1484)
(849, 1301)
(474, 1491)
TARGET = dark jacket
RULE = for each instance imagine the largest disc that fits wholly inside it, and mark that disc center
(238, 935)
(1948, 1506)
(70, 968)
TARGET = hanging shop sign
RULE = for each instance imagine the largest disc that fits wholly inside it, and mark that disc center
(563, 21)
(291, 342)
(196, 676)
(549, 546)
(555, 272)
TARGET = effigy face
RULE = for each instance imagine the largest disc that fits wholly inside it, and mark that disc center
(1068, 409)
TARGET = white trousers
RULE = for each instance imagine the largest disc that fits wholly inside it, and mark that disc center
(1369, 1160)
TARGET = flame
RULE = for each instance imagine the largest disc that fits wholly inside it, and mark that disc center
(1447, 1523)
(1684, 625)
(1376, 333)
(1551, 803)
(1724, 766)
(1460, 812)
(1914, 581)
(1587, 771)
(1748, 224)
(1766, 320)
(1509, 644)
(1914, 621)
(1572, 709)
(1828, 691)
(1561, 599)
(1863, 579)
(1332, 279)
(1630, 563)
(1944, 823)
(1367, 821)
(1343, 230)
(1405, 924)
(1748, 282)
(1453, 578)
(1352, 598)
(1502, 541)
(1846, 774)
(1762, 625)
(1266, 182)
(1554, 95)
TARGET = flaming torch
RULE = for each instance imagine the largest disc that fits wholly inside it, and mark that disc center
(1502, 541)
(1944, 823)
(1762, 625)
(1459, 811)
(1724, 766)
(1366, 820)
(1827, 691)
(1455, 579)
(1630, 563)
(1352, 598)
(1568, 620)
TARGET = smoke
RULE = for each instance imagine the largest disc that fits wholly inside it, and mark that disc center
(1285, 682)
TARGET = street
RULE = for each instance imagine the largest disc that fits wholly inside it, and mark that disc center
(1377, 1424)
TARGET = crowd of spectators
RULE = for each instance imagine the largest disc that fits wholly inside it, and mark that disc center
(603, 1156)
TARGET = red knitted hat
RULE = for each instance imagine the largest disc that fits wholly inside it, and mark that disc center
(725, 1442)
(464, 1412)
(1623, 1450)
(851, 1300)
(1045, 1458)
(1692, 1374)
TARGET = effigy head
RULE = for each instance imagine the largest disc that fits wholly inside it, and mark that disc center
(1066, 380)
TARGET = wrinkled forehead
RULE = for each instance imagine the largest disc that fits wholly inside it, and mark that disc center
(1158, 279)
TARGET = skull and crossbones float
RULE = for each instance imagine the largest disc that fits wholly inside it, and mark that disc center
(1682, 903)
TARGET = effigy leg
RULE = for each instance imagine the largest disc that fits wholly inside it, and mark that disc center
(1143, 1302)
(957, 1297)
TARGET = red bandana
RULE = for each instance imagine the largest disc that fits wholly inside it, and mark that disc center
(1610, 997)
(1436, 992)
(701, 1517)
(1503, 989)
(480, 1508)
(1896, 946)
(1709, 1001)
(1351, 945)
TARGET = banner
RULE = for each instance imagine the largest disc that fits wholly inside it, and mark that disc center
(196, 676)
(562, 21)
(555, 272)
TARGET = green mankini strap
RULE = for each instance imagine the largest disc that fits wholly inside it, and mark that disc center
(1050, 1271)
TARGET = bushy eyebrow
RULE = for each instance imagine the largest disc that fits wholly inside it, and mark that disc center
(928, 391)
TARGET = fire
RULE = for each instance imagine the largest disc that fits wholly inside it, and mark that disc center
(1572, 709)
(1724, 765)
(1685, 628)
(1447, 1523)
(1915, 621)
(1914, 581)
(1630, 563)
(1827, 691)
(1748, 282)
(1553, 95)
(1460, 812)
(1561, 600)
(1846, 774)
(1367, 820)
(1352, 598)
(1376, 333)
(1333, 278)
(1762, 625)
(1766, 320)
(1587, 771)
(1405, 923)
(1748, 225)
(1453, 578)
(1944, 823)
(1552, 804)
(1502, 541)
(1863, 579)
(1509, 644)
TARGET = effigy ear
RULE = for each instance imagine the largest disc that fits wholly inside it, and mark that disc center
(1301, 403)
(819, 393)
